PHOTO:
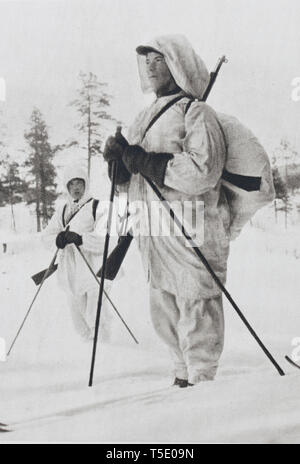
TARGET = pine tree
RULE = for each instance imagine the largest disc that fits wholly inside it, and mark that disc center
(12, 187)
(3, 193)
(92, 104)
(42, 186)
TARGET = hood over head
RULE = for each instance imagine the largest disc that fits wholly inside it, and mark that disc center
(76, 171)
(186, 67)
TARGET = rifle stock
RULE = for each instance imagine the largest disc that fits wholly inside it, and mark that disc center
(37, 278)
(213, 77)
(116, 257)
(114, 261)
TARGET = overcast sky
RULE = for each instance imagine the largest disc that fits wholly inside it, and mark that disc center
(44, 45)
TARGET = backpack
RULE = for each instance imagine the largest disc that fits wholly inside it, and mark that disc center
(247, 177)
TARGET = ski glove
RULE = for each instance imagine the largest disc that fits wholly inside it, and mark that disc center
(122, 176)
(72, 237)
(61, 240)
(150, 164)
(114, 147)
(113, 151)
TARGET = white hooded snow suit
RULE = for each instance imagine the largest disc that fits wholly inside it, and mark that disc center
(73, 275)
(186, 304)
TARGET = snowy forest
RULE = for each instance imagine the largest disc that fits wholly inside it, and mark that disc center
(33, 183)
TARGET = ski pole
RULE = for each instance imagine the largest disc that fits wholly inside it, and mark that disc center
(45, 274)
(104, 259)
(106, 294)
(35, 297)
(213, 275)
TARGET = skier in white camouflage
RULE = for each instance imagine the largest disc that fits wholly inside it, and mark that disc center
(183, 153)
(73, 275)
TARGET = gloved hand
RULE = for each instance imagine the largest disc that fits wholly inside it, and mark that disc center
(113, 151)
(114, 147)
(73, 237)
(123, 175)
(150, 164)
(61, 240)
(121, 139)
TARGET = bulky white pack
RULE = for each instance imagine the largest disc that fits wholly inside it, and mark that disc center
(247, 178)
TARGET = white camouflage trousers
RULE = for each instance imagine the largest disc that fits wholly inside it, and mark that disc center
(83, 312)
(193, 330)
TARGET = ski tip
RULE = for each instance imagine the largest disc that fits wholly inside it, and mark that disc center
(4, 428)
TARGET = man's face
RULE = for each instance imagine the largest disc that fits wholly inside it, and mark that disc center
(158, 73)
(76, 188)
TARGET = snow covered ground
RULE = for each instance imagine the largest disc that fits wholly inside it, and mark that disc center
(46, 375)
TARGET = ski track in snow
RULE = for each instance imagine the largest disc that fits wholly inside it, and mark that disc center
(44, 394)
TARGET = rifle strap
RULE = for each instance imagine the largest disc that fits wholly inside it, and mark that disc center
(188, 106)
(160, 113)
(65, 223)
